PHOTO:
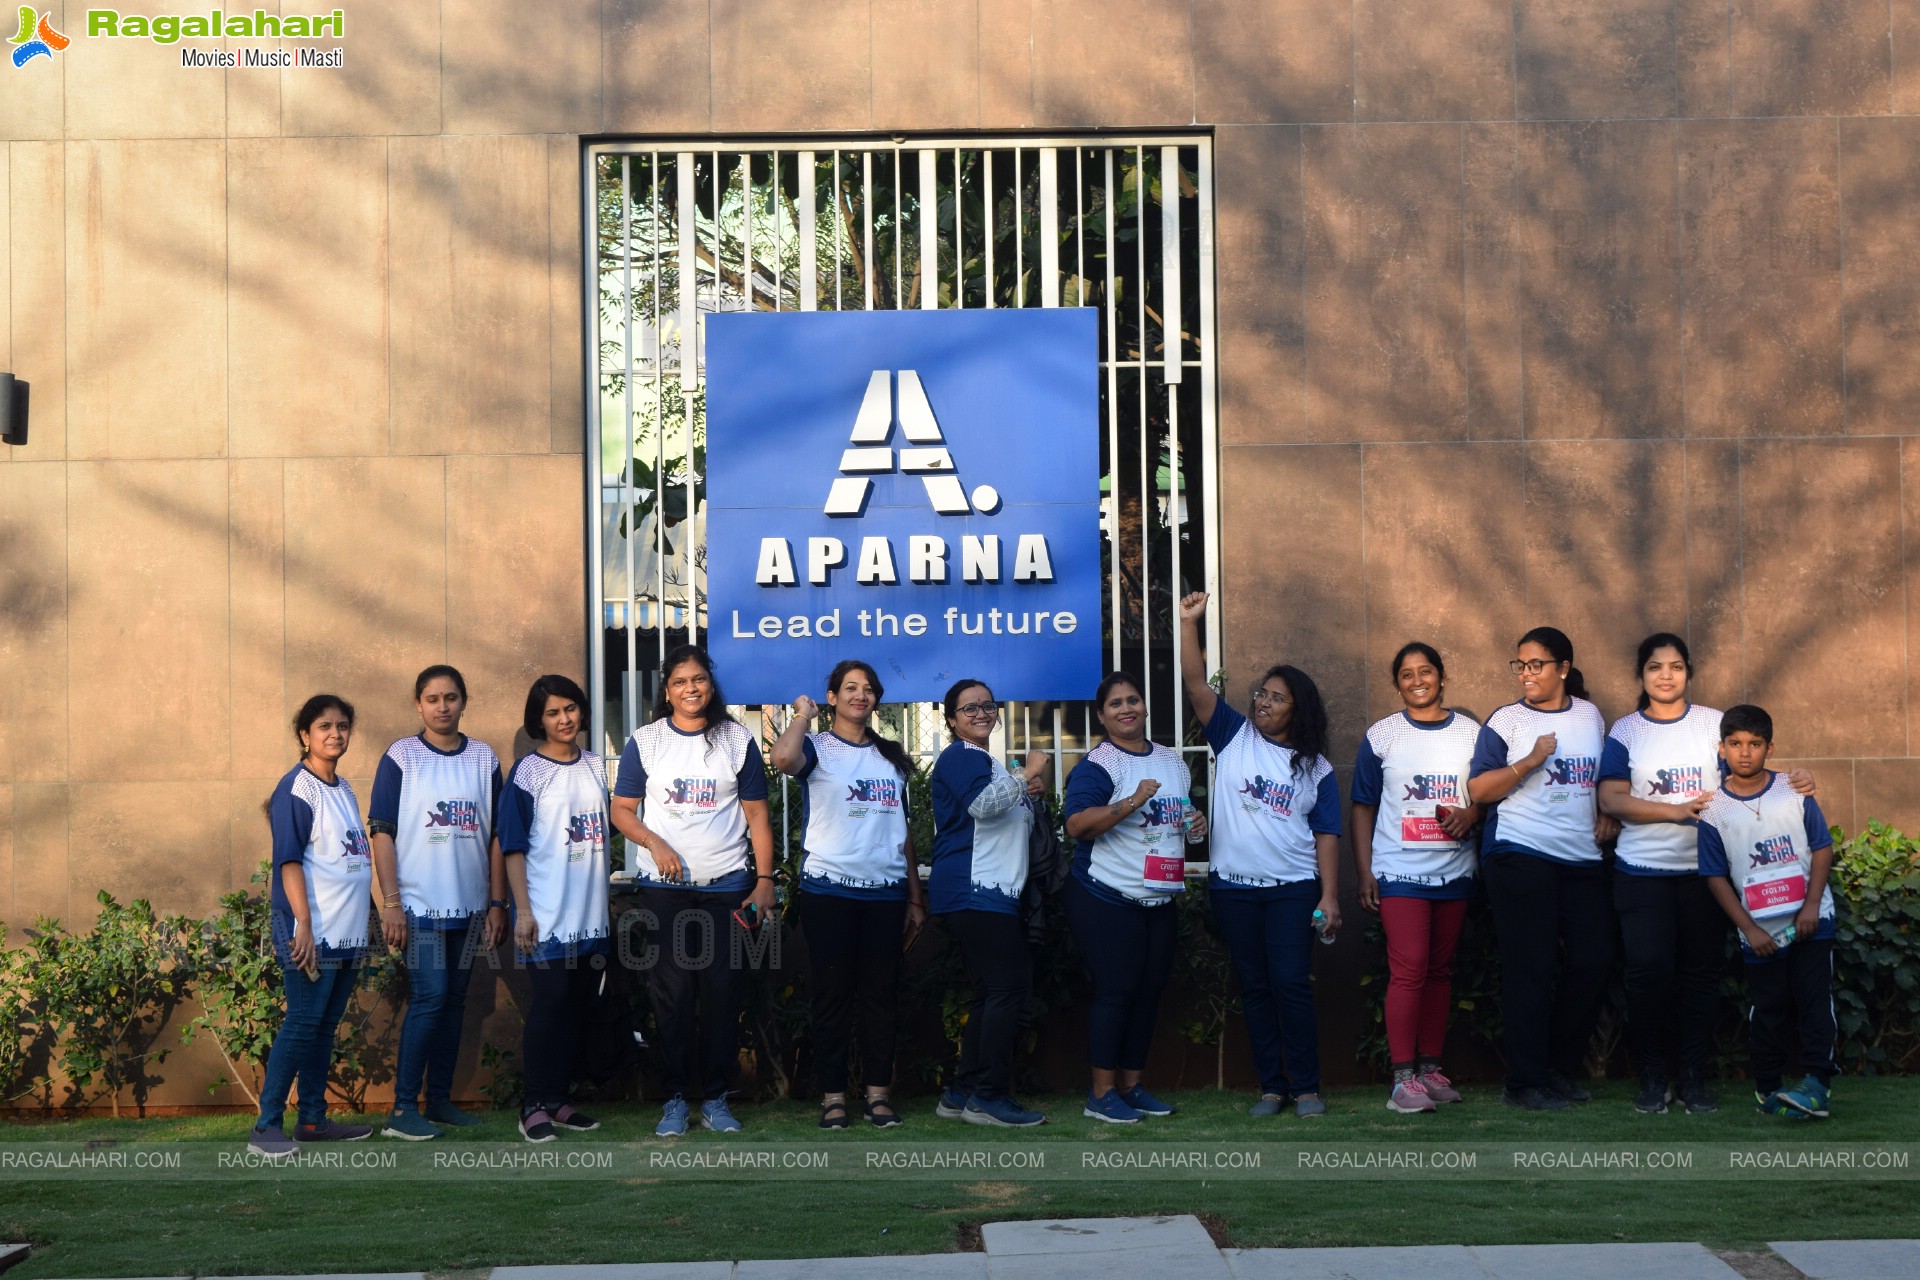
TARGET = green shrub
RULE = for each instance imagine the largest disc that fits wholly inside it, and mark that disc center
(1876, 967)
(237, 982)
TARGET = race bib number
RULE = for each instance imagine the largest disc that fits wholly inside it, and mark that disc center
(1776, 896)
(1165, 872)
(1422, 829)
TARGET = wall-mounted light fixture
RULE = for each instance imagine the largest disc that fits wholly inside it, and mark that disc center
(13, 409)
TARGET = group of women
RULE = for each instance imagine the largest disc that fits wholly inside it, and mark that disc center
(463, 858)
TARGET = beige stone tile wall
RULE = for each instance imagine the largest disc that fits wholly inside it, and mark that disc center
(1590, 312)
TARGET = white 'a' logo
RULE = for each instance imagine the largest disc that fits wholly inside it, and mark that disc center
(870, 454)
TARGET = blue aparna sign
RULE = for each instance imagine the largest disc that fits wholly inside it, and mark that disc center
(919, 489)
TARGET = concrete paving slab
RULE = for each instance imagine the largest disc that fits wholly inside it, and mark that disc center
(1164, 1262)
(12, 1253)
(367, 1275)
(1437, 1262)
(1853, 1259)
(926, 1266)
(615, 1271)
(1602, 1262)
(1094, 1235)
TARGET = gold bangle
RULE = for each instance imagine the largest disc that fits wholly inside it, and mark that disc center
(1518, 776)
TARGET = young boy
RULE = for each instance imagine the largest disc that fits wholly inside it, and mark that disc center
(1765, 853)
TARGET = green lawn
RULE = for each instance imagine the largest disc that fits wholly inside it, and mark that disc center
(296, 1223)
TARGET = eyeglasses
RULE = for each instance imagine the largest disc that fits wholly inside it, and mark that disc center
(1530, 666)
(1270, 699)
(977, 708)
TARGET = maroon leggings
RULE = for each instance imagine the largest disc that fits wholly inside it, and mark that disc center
(1421, 937)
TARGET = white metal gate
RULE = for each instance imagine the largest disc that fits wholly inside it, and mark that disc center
(677, 230)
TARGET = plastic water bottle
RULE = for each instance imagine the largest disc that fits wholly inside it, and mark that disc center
(1322, 927)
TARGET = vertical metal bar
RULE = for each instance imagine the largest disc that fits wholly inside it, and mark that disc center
(866, 221)
(596, 550)
(1049, 227)
(779, 246)
(833, 200)
(630, 604)
(809, 226)
(1170, 262)
(1113, 434)
(1080, 226)
(929, 230)
(746, 228)
(1019, 234)
(689, 265)
(660, 410)
(899, 235)
(986, 219)
(1209, 424)
(959, 238)
(1147, 467)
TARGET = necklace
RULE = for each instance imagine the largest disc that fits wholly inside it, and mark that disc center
(1751, 806)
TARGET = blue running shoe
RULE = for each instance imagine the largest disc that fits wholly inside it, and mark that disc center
(447, 1113)
(1112, 1108)
(1768, 1104)
(717, 1116)
(1003, 1113)
(409, 1126)
(673, 1119)
(1806, 1100)
(952, 1105)
(1145, 1103)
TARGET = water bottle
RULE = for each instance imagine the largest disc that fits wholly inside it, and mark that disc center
(1322, 927)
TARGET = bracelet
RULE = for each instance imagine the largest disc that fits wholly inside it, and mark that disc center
(1519, 776)
(773, 878)
(498, 904)
(390, 904)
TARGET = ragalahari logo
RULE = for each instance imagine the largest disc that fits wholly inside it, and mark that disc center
(36, 37)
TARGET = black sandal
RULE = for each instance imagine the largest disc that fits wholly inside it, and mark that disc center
(881, 1113)
(833, 1115)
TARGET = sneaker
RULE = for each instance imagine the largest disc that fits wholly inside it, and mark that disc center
(1270, 1104)
(1308, 1106)
(1410, 1097)
(578, 1121)
(409, 1126)
(1111, 1107)
(537, 1126)
(1769, 1104)
(331, 1131)
(1145, 1103)
(1534, 1099)
(272, 1143)
(1696, 1098)
(447, 1113)
(1653, 1097)
(1439, 1088)
(673, 1119)
(952, 1105)
(717, 1116)
(1807, 1099)
(1001, 1113)
(1566, 1088)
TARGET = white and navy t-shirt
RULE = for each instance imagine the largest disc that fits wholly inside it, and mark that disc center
(979, 862)
(439, 807)
(1764, 844)
(1408, 770)
(1265, 811)
(317, 824)
(856, 820)
(1550, 815)
(556, 814)
(1666, 762)
(1113, 864)
(690, 791)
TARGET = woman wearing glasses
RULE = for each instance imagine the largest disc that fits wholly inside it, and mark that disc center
(1276, 860)
(979, 869)
(1534, 770)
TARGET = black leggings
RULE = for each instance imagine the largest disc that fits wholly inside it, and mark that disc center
(556, 1010)
(854, 946)
(995, 944)
(1129, 951)
(1538, 904)
(694, 985)
(1674, 936)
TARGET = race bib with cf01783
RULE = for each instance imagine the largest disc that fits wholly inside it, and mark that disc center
(1776, 883)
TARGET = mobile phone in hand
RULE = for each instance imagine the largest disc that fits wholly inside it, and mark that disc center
(747, 917)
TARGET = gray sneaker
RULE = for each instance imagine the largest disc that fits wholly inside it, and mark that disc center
(272, 1143)
(1270, 1104)
(1309, 1105)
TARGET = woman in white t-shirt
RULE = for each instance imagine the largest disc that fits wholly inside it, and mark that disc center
(860, 891)
(1534, 770)
(1412, 842)
(1128, 812)
(703, 864)
(322, 875)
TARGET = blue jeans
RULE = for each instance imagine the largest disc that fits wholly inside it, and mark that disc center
(1269, 935)
(439, 965)
(303, 1047)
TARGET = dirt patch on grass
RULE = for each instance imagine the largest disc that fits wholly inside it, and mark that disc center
(1216, 1228)
(1760, 1264)
(966, 1236)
